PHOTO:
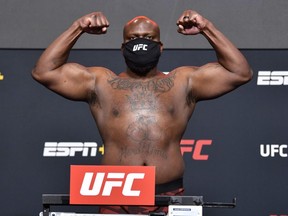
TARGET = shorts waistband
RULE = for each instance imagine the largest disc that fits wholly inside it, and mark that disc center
(169, 186)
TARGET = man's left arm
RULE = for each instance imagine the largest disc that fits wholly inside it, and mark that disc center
(217, 78)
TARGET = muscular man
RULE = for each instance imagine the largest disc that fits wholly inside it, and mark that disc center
(142, 113)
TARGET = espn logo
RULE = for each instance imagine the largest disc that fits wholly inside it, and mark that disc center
(272, 78)
(70, 149)
(195, 147)
(112, 185)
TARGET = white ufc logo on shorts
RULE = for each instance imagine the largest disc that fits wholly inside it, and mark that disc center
(138, 47)
(113, 180)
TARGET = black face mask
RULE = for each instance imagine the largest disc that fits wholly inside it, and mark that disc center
(141, 55)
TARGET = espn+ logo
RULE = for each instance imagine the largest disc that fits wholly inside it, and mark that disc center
(70, 149)
(273, 78)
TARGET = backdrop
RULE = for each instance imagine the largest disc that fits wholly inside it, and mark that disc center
(248, 23)
(246, 129)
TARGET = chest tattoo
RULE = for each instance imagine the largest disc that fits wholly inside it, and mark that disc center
(142, 94)
(144, 131)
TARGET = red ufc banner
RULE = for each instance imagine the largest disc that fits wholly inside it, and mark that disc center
(112, 185)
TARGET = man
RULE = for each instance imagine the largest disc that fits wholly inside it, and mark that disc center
(142, 113)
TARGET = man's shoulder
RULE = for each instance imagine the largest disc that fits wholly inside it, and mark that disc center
(184, 71)
(101, 71)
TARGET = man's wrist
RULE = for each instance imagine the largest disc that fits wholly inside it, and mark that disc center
(207, 28)
(76, 26)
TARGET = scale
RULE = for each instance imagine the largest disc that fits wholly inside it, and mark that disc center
(177, 205)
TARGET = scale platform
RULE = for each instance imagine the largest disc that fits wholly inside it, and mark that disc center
(177, 205)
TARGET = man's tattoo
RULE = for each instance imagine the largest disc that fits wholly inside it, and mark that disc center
(143, 93)
(126, 153)
(156, 85)
(145, 133)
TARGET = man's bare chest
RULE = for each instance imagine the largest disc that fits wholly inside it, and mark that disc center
(136, 95)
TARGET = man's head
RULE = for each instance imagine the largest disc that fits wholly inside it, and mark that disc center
(141, 27)
(142, 47)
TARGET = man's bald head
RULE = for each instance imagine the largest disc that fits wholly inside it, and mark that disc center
(141, 27)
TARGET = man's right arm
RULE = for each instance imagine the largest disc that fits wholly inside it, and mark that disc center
(70, 80)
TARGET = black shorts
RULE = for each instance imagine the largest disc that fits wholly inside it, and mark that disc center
(174, 188)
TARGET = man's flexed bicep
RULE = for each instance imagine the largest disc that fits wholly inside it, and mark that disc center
(71, 80)
(212, 80)
(230, 71)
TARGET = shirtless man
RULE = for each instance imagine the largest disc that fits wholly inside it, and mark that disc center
(142, 113)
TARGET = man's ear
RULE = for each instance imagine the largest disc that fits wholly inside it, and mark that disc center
(161, 46)
(122, 47)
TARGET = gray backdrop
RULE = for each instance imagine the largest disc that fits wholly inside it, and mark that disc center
(249, 23)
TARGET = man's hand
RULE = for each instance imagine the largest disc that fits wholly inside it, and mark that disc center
(93, 23)
(191, 23)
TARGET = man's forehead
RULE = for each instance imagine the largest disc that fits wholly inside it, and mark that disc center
(141, 21)
(141, 25)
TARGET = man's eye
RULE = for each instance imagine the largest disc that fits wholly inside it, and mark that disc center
(132, 38)
(149, 37)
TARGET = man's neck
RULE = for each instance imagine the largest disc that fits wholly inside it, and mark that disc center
(152, 73)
